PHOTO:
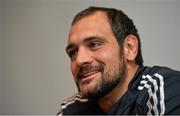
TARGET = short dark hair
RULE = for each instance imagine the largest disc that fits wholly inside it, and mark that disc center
(120, 23)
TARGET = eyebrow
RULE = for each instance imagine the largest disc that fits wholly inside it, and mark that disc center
(71, 45)
(93, 38)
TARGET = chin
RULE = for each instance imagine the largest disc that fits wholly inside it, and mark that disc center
(87, 90)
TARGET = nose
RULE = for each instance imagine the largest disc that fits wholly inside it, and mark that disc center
(83, 56)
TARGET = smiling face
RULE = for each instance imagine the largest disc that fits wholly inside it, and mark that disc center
(97, 63)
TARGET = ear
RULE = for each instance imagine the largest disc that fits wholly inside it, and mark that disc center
(131, 48)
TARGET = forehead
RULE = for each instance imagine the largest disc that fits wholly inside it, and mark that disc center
(96, 23)
(101, 15)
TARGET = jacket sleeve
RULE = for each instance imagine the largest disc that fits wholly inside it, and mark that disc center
(172, 93)
(171, 90)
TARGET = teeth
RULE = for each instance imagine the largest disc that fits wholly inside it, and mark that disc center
(88, 74)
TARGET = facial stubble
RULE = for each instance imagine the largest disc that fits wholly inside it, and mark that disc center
(108, 81)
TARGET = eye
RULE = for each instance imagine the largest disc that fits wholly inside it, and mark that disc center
(72, 54)
(94, 44)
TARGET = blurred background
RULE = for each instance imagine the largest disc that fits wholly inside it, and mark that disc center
(34, 68)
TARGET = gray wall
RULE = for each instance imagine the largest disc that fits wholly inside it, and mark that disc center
(1, 53)
(34, 68)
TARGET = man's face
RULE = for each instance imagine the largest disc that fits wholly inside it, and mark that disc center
(97, 64)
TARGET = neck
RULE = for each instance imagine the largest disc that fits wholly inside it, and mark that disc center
(111, 98)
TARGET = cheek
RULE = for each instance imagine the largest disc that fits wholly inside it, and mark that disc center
(110, 60)
(73, 70)
(109, 57)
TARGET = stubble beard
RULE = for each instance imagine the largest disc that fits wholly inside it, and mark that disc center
(109, 80)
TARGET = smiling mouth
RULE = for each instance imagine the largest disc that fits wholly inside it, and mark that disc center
(89, 74)
(88, 71)
(88, 77)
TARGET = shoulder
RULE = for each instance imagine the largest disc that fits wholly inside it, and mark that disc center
(72, 105)
(77, 105)
(69, 101)
(164, 71)
(162, 76)
(158, 77)
(162, 85)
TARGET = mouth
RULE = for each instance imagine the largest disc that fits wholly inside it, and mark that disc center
(88, 74)
(87, 77)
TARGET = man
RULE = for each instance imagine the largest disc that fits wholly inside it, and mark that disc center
(107, 66)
